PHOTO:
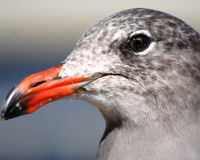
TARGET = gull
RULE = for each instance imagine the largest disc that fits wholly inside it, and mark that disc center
(141, 68)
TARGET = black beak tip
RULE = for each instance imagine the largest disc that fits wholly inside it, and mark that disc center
(12, 112)
(3, 116)
(11, 107)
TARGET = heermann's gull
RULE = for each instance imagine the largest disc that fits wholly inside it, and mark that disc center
(141, 68)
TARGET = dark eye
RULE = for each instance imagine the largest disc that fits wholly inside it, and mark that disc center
(139, 42)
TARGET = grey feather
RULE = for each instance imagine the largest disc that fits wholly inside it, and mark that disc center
(151, 102)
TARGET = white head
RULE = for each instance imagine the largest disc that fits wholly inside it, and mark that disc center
(149, 66)
(145, 56)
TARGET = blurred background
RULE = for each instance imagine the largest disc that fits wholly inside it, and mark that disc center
(38, 34)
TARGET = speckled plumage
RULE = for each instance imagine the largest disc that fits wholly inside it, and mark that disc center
(151, 103)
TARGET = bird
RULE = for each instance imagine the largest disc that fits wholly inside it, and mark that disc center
(141, 68)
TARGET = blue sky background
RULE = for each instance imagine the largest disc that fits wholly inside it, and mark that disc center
(38, 34)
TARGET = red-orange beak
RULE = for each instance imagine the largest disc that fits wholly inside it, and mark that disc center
(39, 89)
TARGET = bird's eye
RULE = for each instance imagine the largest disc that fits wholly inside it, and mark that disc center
(139, 42)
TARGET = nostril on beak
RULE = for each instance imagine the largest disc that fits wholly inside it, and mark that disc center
(37, 83)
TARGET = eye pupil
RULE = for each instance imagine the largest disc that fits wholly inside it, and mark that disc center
(139, 42)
